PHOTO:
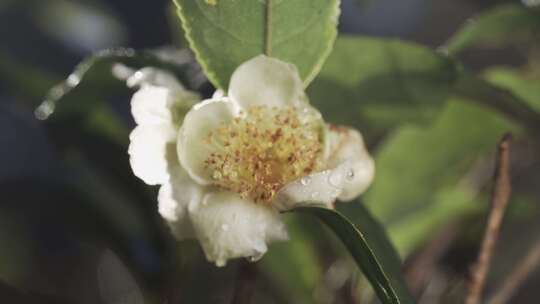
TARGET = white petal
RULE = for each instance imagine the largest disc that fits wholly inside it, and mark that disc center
(151, 150)
(266, 81)
(230, 227)
(218, 94)
(149, 105)
(175, 198)
(159, 104)
(317, 189)
(349, 148)
(193, 148)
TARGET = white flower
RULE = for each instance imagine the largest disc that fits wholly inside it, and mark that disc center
(236, 160)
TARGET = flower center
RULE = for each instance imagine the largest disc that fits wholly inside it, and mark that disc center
(264, 149)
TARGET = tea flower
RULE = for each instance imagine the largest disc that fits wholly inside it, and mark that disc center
(234, 162)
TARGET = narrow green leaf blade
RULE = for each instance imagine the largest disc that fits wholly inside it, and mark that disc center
(526, 87)
(371, 249)
(93, 77)
(225, 33)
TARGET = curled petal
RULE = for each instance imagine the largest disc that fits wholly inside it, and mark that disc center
(151, 150)
(317, 189)
(349, 149)
(149, 105)
(230, 227)
(266, 81)
(193, 140)
(175, 197)
(157, 105)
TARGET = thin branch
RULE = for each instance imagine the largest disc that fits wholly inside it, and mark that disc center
(517, 277)
(245, 283)
(499, 200)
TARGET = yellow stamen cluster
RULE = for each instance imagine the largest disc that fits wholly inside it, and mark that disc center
(263, 149)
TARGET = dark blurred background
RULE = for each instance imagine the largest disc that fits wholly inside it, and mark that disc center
(67, 195)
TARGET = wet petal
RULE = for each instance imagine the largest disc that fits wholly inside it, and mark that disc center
(158, 105)
(149, 105)
(349, 148)
(193, 146)
(317, 189)
(175, 198)
(230, 227)
(266, 81)
(151, 150)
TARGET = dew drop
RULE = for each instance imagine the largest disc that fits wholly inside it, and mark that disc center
(254, 258)
(225, 227)
(315, 195)
(305, 180)
(73, 80)
(44, 110)
(335, 179)
(350, 175)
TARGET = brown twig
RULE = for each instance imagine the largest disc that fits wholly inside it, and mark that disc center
(499, 200)
(245, 283)
(517, 277)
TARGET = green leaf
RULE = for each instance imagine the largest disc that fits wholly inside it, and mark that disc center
(501, 26)
(376, 84)
(225, 33)
(523, 86)
(371, 250)
(505, 101)
(371, 82)
(426, 174)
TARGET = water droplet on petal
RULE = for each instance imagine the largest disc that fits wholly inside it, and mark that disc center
(350, 175)
(225, 227)
(305, 180)
(315, 195)
(335, 179)
(254, 258)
